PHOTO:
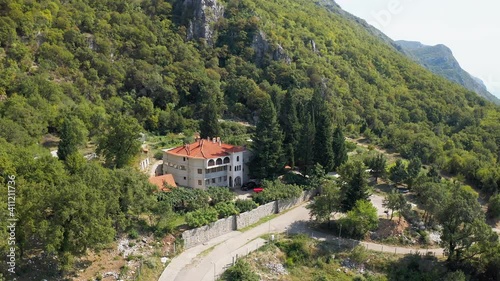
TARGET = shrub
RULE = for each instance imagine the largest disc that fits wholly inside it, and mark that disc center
(158, 155)
(494, 206)
(220, 194)
(241, 271)
(166, 223)
(245, 205)
(133, 234)
(274, 190)
(226, 209)
(297, 250)
(201, 217)
(361, 219)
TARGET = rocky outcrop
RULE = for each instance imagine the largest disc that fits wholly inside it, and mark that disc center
(280, 54)
(313, 46)
(260, 47)
(202, 15)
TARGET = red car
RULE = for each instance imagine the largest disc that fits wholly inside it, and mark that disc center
(258, 189)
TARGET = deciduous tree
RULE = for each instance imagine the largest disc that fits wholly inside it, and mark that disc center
(120, 144)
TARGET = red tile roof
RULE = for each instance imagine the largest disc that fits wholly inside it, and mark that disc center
(161, 180)
(205, 149)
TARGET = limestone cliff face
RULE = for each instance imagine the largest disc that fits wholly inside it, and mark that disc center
(260, 46)
(202, 16)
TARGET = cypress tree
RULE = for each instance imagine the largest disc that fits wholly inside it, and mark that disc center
(323, 148)
(267, 144)
(209, 126)
(289, 122)
(339, 148)
(306, 145)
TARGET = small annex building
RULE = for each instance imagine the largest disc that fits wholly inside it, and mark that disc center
(163, 181)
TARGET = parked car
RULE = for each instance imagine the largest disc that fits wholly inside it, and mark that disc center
(403, 190)
(258, 189)
(249, 185)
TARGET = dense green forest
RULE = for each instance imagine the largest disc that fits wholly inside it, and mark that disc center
(104, 71)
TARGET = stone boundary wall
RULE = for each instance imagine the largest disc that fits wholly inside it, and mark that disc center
(204, 233)
(285, 204)
(248, 218)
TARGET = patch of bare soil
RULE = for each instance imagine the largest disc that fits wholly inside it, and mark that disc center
(122, 260)
(390, 228)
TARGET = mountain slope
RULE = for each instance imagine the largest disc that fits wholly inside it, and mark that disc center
(440, 60)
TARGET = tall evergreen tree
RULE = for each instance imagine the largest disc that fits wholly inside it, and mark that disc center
(73, 135)
(377, 164)
(355, 186)
(339, 148)
(323, 138)
(398, 173)
(306, 145)
(323, 148)
(413, 170)
(267, 144)
(209, 126)
(289, 122)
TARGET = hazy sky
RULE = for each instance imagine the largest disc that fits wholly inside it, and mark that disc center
(470, 29)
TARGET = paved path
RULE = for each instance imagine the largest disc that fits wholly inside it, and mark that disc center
(202, 261)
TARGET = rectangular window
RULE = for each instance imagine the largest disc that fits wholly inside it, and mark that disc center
(183, 158)
(213, 180)
(225, 168)
(207, 182)
(199, 182)
(225, 178)
(200, 171)
(184, 177)
(229, 168)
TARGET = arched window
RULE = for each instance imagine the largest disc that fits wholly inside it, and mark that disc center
(226, 160)
(211, 162)
(219, 161)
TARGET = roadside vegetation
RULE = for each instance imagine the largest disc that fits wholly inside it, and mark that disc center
(299, 257)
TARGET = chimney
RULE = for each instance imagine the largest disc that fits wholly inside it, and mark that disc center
(208, 138)
(214, 139)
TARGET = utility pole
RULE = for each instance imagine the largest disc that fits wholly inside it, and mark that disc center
(340, 232)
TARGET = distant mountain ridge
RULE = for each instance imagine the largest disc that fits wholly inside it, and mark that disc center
(440, 60)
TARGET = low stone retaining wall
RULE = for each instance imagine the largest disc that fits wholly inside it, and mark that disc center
(248, 218)
(203, 234)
